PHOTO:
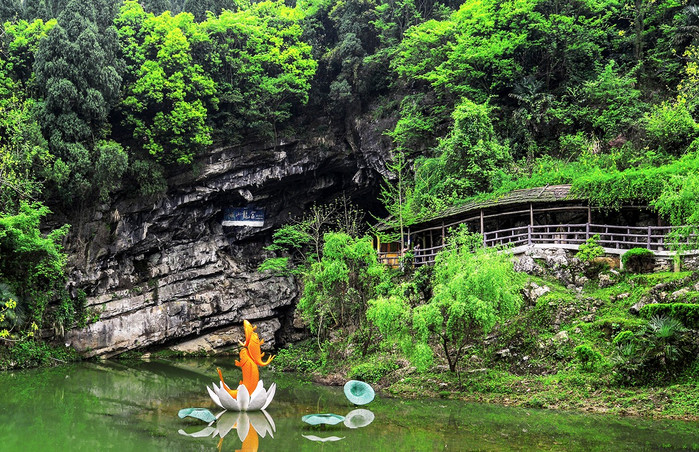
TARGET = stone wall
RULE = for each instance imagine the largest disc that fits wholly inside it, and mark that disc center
(166, 273)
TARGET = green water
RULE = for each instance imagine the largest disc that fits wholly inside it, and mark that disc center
(133, 406)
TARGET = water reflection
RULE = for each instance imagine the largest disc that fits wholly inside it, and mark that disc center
(357, 418)
(248, 425)
(133, 406)
(323, 440)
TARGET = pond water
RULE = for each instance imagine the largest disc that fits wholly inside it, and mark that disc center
(133, 406)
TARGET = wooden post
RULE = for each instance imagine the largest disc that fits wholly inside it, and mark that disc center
(483, 227)
(529, 235)
(589, 214)
(648, 242)
(444, 235)
(531, 214)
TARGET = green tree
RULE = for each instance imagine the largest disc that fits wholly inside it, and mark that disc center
(20, 44)
(31, 264)
(468, 158)
(167, 92)
(474, 289)
(78, 77)
(395, 194)
(613, 103)
(261, 66)
(338, 287)
(24, 155)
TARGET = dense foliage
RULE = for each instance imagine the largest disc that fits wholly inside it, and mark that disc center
(481, 97)
(93, 92)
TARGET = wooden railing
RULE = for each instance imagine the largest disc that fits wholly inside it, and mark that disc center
(615, 237)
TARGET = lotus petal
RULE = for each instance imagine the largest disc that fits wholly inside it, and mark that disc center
(258, 397)
(214, 396)
(226, 423)
(358, 392)
(243, 425)
(243, 398)
(271, 422)
(197, 413)
(227, 401)
(325, 418)
(270, 395)
(259, 422)
(322, 440)
(207, 431)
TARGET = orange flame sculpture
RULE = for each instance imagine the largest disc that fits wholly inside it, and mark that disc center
(251, 356)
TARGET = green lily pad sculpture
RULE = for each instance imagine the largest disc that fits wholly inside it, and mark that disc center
(358, 392)
(326, 418)
(197, 413)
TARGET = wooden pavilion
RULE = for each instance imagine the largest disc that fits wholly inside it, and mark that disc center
(545, 216)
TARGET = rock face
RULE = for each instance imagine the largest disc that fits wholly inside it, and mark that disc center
(167, 273)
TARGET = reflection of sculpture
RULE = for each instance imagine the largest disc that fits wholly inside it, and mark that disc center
(358, 418)
(356, 392)
(321, 439)
(251, 394)
(247, 425)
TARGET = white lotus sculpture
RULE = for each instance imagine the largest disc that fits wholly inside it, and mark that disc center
(250, 394)
(244, 401)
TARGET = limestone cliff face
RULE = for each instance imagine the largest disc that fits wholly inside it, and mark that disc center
(167, 273)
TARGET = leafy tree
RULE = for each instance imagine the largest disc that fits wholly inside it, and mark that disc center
(31, 264)
(24, 156)
(12, 10)
(303, 237)
(470, 55)
(395, 194)
(20, 44)
(687, 32)
(260, 64)
(338, 287)
(78, 77)
(167, 93)
(474, 289)
(612, 102)
(532, 112)
(468, 157)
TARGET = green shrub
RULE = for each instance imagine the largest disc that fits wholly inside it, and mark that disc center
(590, 250)
(302, 357)
(29, 352)
(371, 372)
(638, 260)
(279, 266)
(587, 357)
(687, 313)
(670, 127)
(624, 337)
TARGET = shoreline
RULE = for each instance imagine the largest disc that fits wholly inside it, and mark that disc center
(608, 401)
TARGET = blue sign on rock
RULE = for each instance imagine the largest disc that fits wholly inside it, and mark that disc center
(243, 216)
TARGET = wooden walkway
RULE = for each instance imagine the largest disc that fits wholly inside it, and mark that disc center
(611, 237)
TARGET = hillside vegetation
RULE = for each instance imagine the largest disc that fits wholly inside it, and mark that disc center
(481, 97)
